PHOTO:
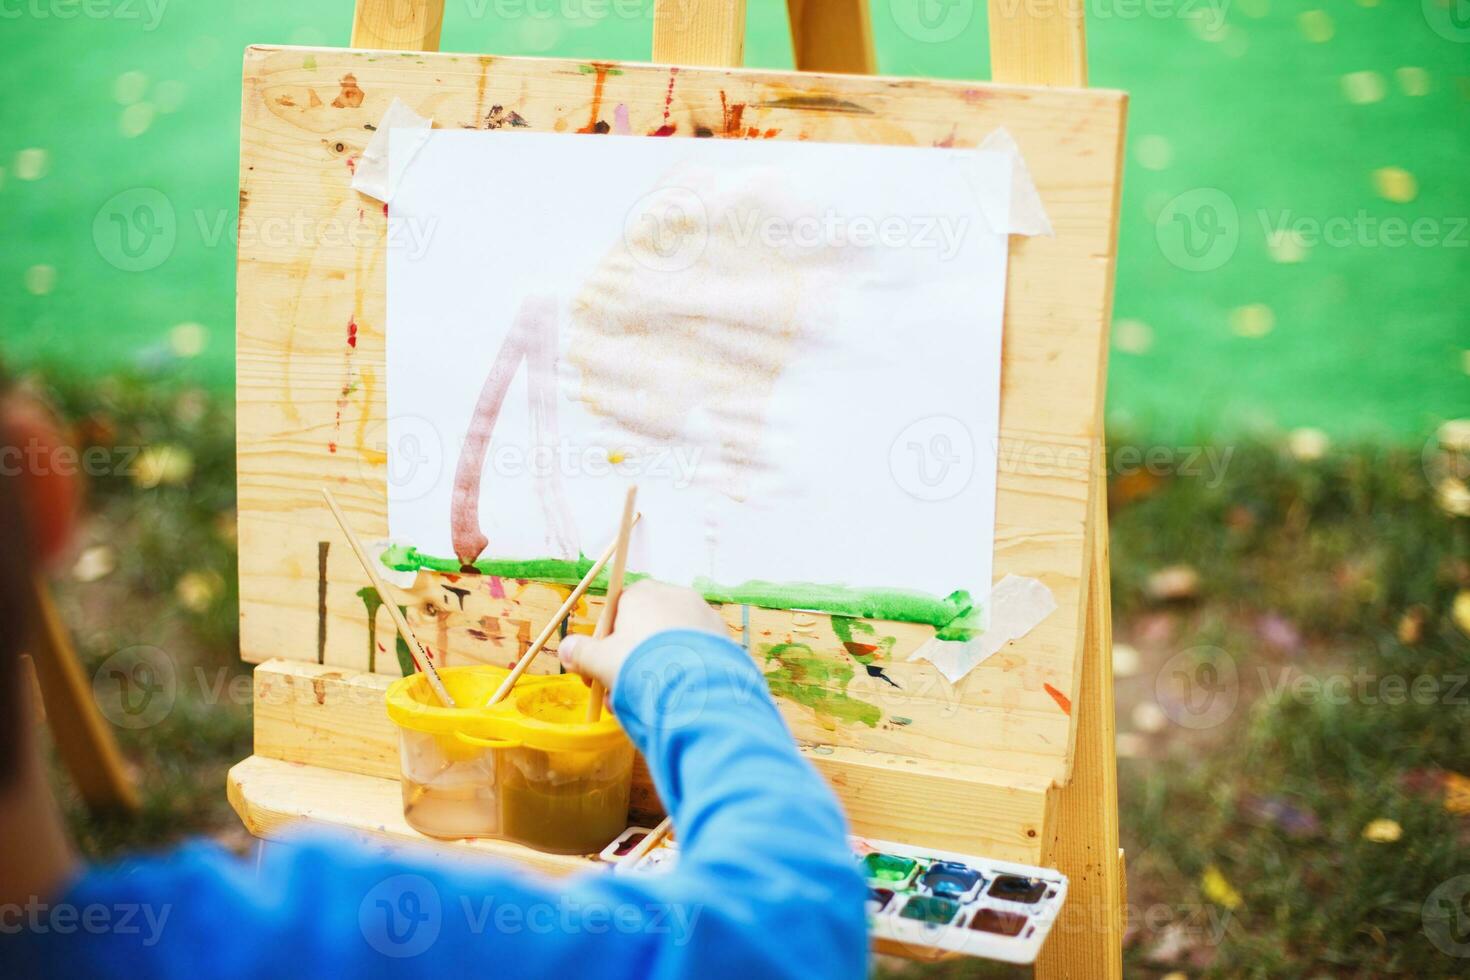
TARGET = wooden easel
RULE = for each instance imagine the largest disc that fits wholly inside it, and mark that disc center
(83, 740)
(1017, 761)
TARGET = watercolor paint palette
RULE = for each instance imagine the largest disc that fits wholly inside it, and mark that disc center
(927, 901)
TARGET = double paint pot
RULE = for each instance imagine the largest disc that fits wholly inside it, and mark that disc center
(528, 769)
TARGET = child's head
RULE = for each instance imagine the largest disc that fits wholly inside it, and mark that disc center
(37, 511)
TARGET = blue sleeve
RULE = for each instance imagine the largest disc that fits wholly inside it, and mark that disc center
(766, 885)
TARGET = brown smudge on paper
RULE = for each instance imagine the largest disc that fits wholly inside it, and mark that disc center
(680, 334)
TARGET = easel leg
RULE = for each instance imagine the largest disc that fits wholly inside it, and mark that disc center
(1087, 940)
(832, 36)
(82, 737)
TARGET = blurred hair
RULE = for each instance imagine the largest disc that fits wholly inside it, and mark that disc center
(15, 592)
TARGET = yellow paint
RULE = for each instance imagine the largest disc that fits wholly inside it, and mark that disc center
(367, 383)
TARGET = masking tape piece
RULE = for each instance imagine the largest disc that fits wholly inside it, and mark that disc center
(1015, 211)
(1017, 605)
(373, 175)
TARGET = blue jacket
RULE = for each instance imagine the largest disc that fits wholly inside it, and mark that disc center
(766, 885)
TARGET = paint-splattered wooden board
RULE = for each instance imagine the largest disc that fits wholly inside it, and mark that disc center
(311, 371)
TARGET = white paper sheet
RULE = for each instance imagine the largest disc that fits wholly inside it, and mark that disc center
(792, 348)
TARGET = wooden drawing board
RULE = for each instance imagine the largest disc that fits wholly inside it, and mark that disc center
(312, 399)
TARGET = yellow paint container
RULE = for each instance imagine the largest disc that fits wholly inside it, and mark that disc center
(528, 770)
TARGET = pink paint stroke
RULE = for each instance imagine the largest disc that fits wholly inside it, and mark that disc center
(532, 338)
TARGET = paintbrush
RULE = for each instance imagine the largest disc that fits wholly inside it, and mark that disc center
(566, 608)
(614, 593)
(415, 648)
(647, 844)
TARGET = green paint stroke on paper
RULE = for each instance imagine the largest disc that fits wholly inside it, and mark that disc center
(373, 602)
(900, 605)
(955, 616)
(559, 571)
(818, 682)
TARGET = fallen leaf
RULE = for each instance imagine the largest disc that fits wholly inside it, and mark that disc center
(1308, 445)
(1460, 611)
(1149, 718)
(1173, 583)
(1131, 745)
(1132, 486)
(1174, 942)
(1454, 435)
(1125, 660)
(1411, 626)
(1156, 629)
(1280, 813)
(95, 563)
(1383, 831)
(1456, 794)
(190, 406)
(1218, 890)
(197, 590)
(1453, 497)
(1279, 632)
(1240, 518)
(162, 465)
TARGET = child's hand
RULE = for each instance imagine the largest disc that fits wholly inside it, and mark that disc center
(647, 607)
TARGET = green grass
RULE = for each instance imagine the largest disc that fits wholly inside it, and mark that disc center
(1344, 567)
(1230, 96)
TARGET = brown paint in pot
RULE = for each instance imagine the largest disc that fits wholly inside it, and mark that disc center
(527, 769)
